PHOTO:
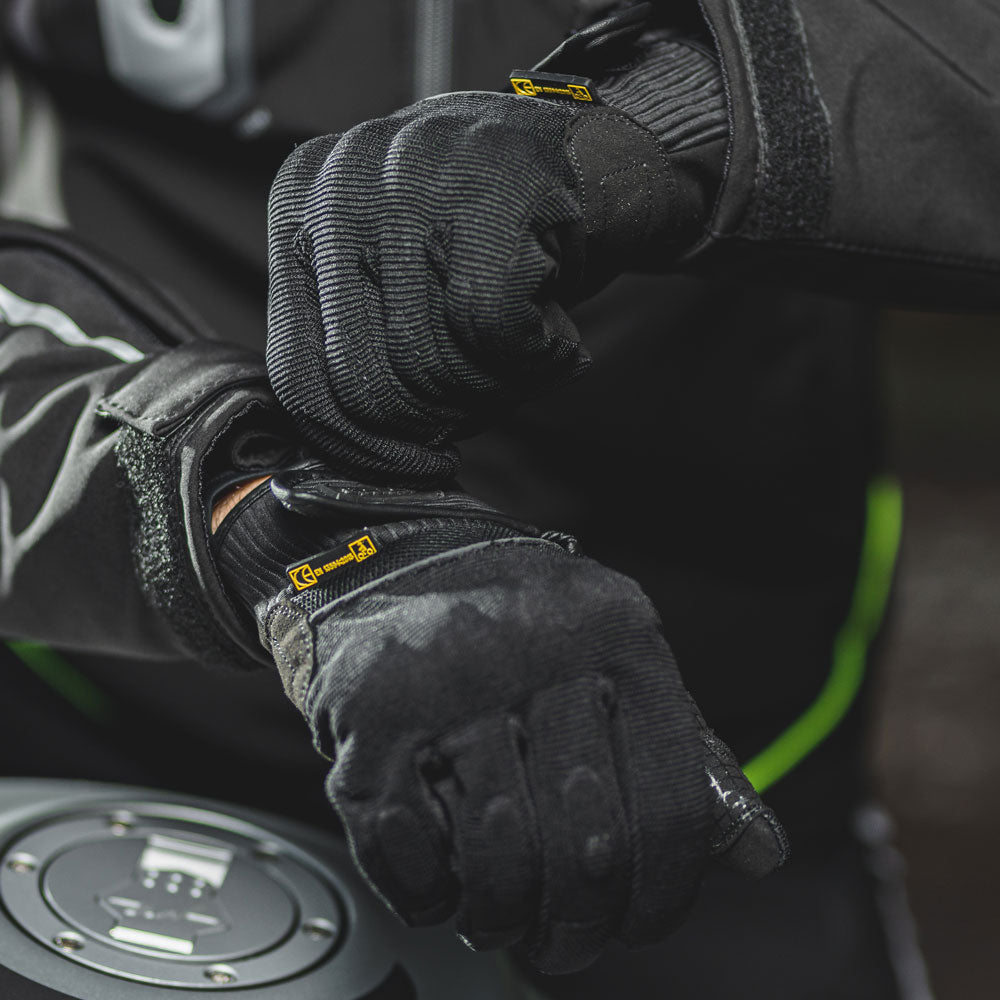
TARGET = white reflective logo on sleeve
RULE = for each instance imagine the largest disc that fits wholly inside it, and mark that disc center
(16, 311)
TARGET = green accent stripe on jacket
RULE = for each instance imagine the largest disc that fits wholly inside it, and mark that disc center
(879, 551)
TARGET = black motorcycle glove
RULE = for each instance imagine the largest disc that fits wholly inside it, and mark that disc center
(510, 737)
(421, 264)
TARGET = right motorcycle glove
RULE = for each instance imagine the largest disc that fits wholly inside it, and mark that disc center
(510, 738)
(421, 264)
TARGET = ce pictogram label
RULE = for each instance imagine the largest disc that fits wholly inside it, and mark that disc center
(308, 574)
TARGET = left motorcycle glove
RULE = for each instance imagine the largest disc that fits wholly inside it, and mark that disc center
(510, 737)
(421, 264)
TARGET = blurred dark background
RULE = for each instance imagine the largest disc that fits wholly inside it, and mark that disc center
(936, 733)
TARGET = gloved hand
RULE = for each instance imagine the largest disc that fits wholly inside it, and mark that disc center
(421, 264)
(510, 738)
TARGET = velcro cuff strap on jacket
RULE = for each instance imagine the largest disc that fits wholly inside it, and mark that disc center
(179, 381)
(177, 415)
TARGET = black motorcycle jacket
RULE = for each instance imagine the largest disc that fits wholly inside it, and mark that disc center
(861, 156)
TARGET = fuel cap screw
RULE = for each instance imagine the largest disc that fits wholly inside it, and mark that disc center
(221, 975)
(319, 929)
(265, 851)
(121, 823)
(68, 941)
(22, 864)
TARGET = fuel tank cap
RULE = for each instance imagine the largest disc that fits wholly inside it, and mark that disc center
(171, 896)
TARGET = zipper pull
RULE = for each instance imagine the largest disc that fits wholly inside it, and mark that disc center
(432, 62)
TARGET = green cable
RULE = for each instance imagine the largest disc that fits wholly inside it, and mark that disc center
(883, 529)
(65, 679)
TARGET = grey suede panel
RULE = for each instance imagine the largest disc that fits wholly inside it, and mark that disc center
(285, 630)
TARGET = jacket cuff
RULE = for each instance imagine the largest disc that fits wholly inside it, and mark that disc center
(861, 159)
(781, 188)
(195, 419)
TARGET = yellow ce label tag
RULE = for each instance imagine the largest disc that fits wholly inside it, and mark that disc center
(553, 85)
(308, 574)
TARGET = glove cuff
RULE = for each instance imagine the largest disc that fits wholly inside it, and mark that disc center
(293, 546)
(649, 179)
(673, 88)
(323, 538)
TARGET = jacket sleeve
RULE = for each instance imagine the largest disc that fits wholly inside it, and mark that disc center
(865, 146)
(117, 420)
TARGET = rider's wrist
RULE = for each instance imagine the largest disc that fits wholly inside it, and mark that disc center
(224, 504)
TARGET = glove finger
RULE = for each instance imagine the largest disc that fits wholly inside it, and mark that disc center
(296, 352)
(292, 184)
(347, 210)
(495, 832)
(377, 407)
(507, 311)
(747, 836)
(666, 790)
(399, 840)
(583, 825)
(293, 307)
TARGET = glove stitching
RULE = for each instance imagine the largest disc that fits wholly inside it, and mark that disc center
(608, 695)
(622, 739)
(517, 735)
(295, 678)
(641, 170)
(593, 119)
(572, 130)
(113, 406)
